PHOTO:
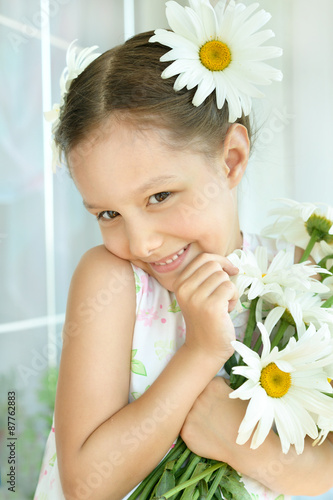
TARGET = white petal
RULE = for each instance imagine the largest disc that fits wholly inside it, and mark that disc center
(235, 109)
(180, 53)
(209, 20)
(256, 289)
(205, 88)
(265, 341)
(257, 53)
(245, 391)
(259, 38)
(52, 115)
(253, 24)
(250, 357)
(175, 68)
(179, 21)
(262, 258)
(221, 90)
(263, 427)
(273, 317)
(172, 40)
(254, 412)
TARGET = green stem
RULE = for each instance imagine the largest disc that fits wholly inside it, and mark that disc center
(190, 468)
(279, 334)
(313, 240)
(251, 324)
(191, 481)
(196, 495)
(322, 262)
(146, 486)
(216, 482)
(181, 460)
(328, 302)
(257, 344)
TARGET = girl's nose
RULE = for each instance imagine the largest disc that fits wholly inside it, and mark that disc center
(143, 239)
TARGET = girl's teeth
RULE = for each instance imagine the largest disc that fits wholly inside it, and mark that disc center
(175, 257)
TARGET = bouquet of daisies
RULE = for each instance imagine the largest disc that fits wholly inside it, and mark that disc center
(284, 363)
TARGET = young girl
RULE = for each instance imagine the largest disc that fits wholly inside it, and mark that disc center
(147, 324)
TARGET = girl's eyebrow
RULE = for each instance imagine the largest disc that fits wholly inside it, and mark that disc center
(88, 205)
(155, 181)
(151, 184)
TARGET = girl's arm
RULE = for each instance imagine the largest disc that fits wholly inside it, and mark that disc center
(106, 446)
(210, 430)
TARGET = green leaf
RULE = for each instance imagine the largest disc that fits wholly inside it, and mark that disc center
(234, 489)
(138, 367)
(203, 488)
(232, 361)
(137, 282)
(174, 307)
(52, 460)
(134, 351)
(136, 395)
(166, 483)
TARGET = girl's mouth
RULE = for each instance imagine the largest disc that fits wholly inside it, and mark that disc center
(170, 263)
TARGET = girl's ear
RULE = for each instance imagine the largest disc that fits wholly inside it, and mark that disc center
(236, 152)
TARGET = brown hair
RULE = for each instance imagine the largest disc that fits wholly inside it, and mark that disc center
(126, 82)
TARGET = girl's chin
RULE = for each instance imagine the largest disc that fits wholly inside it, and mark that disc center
(166, 283)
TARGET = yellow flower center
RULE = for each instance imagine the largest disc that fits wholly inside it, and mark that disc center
(215, 55)
(322, 225)
(275, 382)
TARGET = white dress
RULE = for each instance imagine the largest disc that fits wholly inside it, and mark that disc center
(158, 334)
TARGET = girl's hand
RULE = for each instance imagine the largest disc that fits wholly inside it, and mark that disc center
(206, 296)
(211, 426)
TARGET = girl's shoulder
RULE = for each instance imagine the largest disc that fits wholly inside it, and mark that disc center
(99, 267)
(101, 283)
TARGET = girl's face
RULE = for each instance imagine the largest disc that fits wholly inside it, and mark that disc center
(157, 207)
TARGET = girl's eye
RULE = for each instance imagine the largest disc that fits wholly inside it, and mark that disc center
(107, 215)
(159, 197)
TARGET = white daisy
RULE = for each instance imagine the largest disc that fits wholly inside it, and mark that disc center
(262, 277)
(297, 221)
(76, 64)
(219, 49)
(286, 388)
(299, 309)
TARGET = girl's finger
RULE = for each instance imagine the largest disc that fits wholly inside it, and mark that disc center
(222, 263)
